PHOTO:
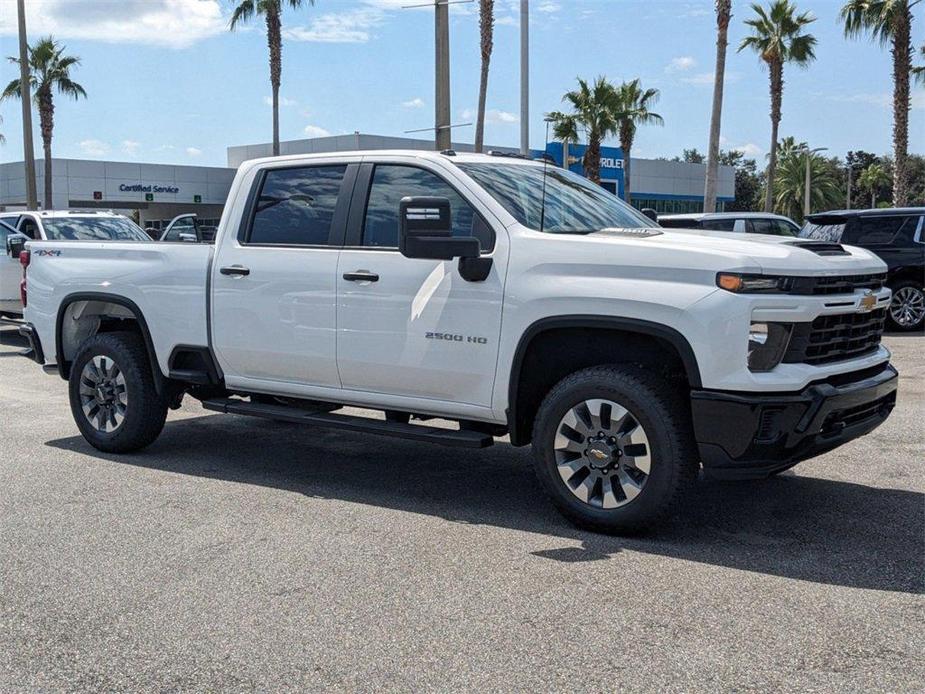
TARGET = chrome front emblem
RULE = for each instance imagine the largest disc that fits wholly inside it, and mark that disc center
(868, 302)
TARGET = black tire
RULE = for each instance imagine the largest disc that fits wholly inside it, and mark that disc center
(913, 290)
(665, 421)
(144, 410)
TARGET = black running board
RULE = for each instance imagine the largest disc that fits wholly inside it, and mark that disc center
(448, 437)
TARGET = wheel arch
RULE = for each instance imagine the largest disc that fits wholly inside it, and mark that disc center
(523, 401)
(112, 306)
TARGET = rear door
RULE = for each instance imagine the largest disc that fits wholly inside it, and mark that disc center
(415, 327)
(10, 273)
(273, 279)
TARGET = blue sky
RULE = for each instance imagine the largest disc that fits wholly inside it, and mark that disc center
(168, 83)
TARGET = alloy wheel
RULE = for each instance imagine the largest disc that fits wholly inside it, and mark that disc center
(103, 396)
(602, 453)
(908, 306)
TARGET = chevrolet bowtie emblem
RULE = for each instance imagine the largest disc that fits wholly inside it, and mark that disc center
(868, 303)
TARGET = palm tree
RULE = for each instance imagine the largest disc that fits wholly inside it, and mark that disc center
(486, 32)
(918, 72)
(595, 109)
(723, 15)
(49, 71)
(873, 178)
(890, 22)
(2, 138)
(271, 11)
(777, 38)
(633, 109)
(790, 182)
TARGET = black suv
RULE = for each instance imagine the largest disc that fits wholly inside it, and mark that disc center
(896, 235)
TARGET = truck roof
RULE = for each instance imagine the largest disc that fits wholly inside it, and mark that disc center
(494, 157)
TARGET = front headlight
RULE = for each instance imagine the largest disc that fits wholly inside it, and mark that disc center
(749, 284)
(767, 343)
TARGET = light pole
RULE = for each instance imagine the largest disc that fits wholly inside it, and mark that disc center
(809, 157)
(26, 99)
(525, 77)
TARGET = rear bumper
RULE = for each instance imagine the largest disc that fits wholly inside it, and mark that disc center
(34, 352)
(743, 435)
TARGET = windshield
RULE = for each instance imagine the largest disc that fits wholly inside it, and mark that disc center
(574, 205)
(93, 229)
(822, 232)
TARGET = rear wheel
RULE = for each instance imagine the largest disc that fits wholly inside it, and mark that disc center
(613, 448)
(907, 307)
(113, 398)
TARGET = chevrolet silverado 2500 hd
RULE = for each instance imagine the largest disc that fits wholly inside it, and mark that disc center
(502, 294)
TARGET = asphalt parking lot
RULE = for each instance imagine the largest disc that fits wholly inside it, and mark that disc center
(239, 554)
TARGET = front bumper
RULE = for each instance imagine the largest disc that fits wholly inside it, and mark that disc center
(746, 435)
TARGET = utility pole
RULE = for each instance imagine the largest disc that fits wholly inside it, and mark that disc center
(442, 85)
(525, 78)
(26, 99)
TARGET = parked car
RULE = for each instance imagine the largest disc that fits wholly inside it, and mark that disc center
(627, 355)
(188, 228)
(53, 226)
(74, 225)
(738, 222)
(11, 241)
(898, 237)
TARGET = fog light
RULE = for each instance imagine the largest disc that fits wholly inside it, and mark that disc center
(767, 343)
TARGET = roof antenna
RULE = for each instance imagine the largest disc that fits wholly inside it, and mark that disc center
(545, 167)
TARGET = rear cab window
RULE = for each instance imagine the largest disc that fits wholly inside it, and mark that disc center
(296, 206)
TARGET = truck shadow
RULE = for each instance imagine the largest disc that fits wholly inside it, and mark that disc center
(819, 530)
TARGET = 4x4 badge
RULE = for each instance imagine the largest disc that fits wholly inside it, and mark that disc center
(868, 302)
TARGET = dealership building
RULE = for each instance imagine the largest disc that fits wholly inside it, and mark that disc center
(155, 193)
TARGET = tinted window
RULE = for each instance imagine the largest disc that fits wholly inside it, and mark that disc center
(879, 230)
(181, 225)
(782, 228)
(718, 224)
(28, 227)
(678, 223)
(296, 206)
(392, 183)
(93, 229)
(761, 226)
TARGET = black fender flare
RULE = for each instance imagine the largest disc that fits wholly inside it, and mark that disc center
(633, 325)
(64, 367)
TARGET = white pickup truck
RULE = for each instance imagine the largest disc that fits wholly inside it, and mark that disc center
(504, 295)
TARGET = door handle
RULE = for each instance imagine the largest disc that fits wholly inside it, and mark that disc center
(361, 276)
(235, 270)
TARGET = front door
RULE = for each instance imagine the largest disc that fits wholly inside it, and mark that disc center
(273, 309)
(10, 274)
(415, 327)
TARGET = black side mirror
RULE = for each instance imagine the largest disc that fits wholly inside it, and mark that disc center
(15, 245)
(650, 213)
(426, 231)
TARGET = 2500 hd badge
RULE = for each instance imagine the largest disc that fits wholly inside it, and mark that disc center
(452, 337)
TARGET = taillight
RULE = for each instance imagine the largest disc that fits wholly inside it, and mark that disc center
(24, 257)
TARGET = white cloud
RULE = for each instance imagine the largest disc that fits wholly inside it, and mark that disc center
(507, 21)
(492, 115)
(94, 148)
(353, 26)
(316, 131)
(193, 152)
(283, 101)
(681, 64)
(882, 100)
(706, 78)
(170, 23)
(548, 6)
(130, 147)
(416, 102)
(749, 149)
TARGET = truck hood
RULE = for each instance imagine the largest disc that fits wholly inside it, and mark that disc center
(771, 255)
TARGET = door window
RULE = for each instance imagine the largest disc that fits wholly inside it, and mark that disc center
(391, 183)
(761, 226)
(295, 207)
(718, 224)
(782, 228)
(185, 224)
(880, 230)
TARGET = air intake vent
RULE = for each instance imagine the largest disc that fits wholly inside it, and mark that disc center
(821, 247)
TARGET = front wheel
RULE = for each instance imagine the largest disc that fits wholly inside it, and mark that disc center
(907, 307)
(113, 398)
(613, 448)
